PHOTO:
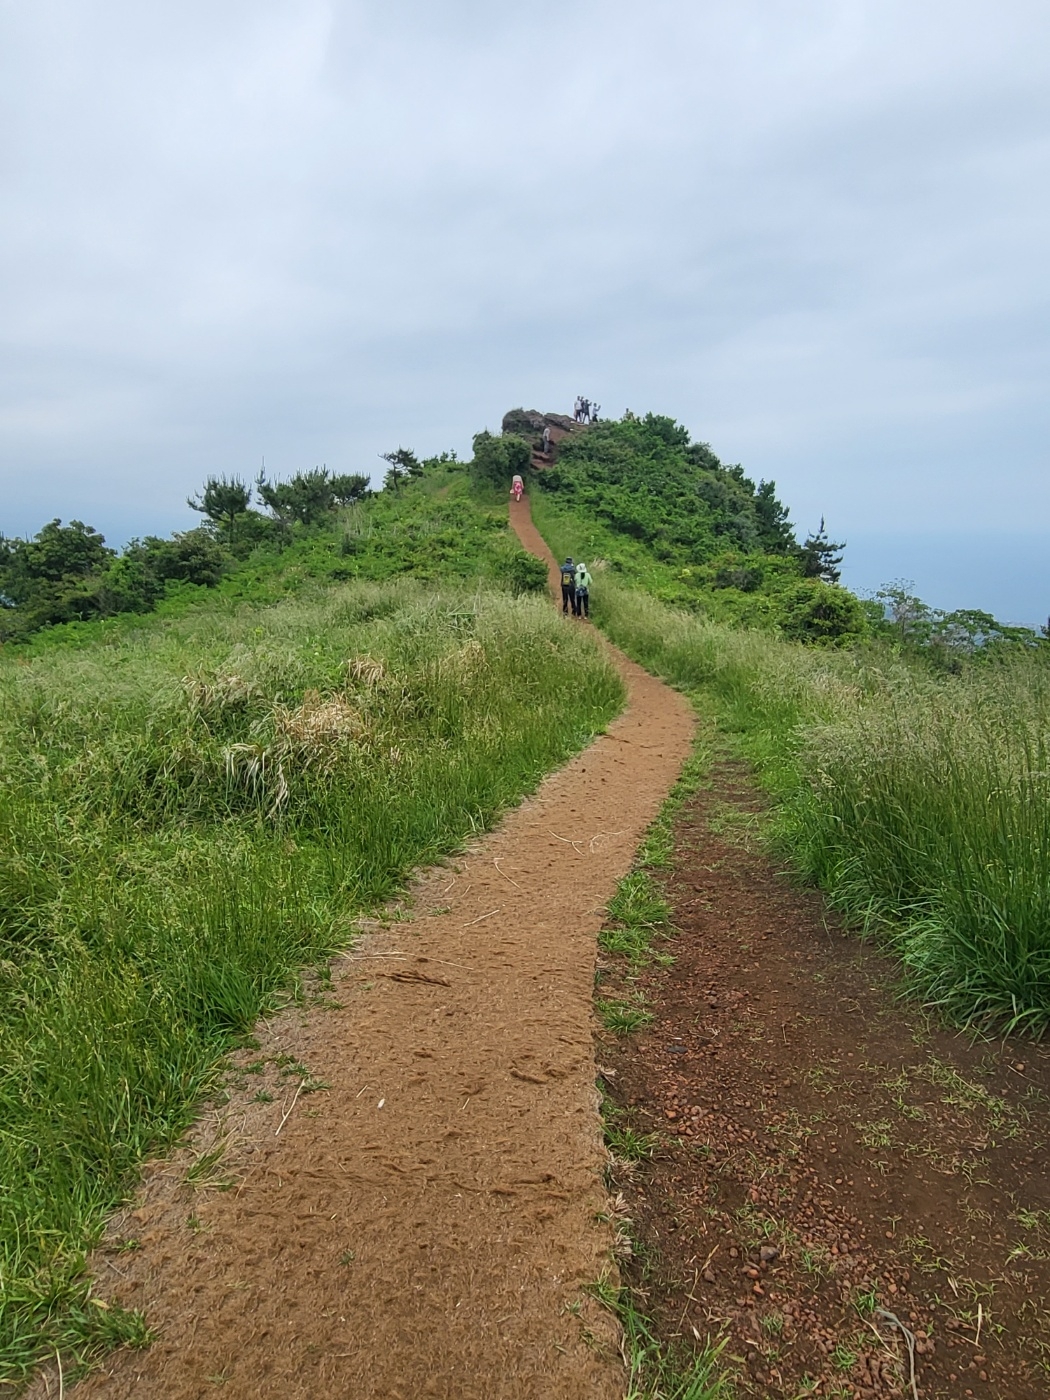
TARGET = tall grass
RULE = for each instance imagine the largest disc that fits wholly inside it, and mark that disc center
(920, 802)
(192, 812)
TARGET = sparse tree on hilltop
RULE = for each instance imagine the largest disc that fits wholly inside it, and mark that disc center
(403, 464)
(222, 501)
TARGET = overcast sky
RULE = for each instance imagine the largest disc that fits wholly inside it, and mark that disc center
(815, 232)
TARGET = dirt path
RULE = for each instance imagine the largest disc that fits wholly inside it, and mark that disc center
(829, 1159)
(421, 1223)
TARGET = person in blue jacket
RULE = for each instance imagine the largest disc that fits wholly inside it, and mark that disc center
(568, 586)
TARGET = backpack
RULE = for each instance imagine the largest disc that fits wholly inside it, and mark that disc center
(568, 578)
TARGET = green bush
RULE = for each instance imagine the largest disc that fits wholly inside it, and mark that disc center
(820, 613)
(527, 574)
(498, 459)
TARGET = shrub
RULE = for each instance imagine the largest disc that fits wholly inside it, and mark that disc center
(817, 612)
(498, 459)
(527, 574)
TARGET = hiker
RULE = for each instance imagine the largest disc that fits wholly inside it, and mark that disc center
(594, 412)
(517, 486)
(583, 591)
(568, 585)
(546, 442)
(577, 408)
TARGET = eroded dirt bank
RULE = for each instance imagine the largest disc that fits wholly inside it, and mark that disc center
(421, 1220)
(825, 1156)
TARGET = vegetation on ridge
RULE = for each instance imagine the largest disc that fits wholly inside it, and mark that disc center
(66, 585)
(664, 512)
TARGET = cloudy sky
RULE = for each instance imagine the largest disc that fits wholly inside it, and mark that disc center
(815, 232)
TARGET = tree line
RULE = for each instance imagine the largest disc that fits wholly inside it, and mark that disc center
(67, 573)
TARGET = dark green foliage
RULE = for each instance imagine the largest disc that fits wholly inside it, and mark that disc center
(498, 459)
(668, 515)
(817, 612)
(222, 501)
(308, 498)
(527, 574)
(821, 557)
(404, 466)
(350, 487)
(54, 577)
(190, 556)
(646, 480)
(137, 579)
(57, 554)
(256, 531)
(774, 530)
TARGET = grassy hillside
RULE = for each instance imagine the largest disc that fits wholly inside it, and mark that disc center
(195, 803)
(909, 759)
(437, 526)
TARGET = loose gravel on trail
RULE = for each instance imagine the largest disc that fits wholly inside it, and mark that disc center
(421, 1216)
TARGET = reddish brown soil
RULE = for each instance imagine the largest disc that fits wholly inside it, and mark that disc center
(408, 1197)
(880, 1162)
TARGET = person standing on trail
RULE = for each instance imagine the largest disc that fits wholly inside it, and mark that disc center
(577, 408)
(546, 442)
(594, 412)
(583, 591)
(585, 410)
(517, 486)
(568, 585)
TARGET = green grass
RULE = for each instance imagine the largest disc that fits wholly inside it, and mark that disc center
(657, 1370)
(638, 915)
(192, 808)
(623, 1017)
(919, 801)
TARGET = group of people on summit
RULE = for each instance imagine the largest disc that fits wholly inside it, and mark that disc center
(584, 411)
(575, 588)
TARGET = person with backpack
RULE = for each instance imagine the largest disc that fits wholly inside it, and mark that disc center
(583, 591)
(568, 586)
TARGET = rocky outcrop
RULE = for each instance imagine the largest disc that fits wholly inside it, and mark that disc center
(529, 424)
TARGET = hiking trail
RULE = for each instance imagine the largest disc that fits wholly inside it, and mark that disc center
(423, 1222)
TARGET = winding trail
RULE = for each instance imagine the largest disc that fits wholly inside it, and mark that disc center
(423, 1225)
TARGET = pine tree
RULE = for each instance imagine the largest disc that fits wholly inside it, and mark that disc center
(222, 501)
(821, 557)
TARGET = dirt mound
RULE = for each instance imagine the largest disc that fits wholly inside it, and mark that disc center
(405, 1198)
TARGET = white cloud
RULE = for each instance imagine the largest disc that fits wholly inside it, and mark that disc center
(815, 232)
